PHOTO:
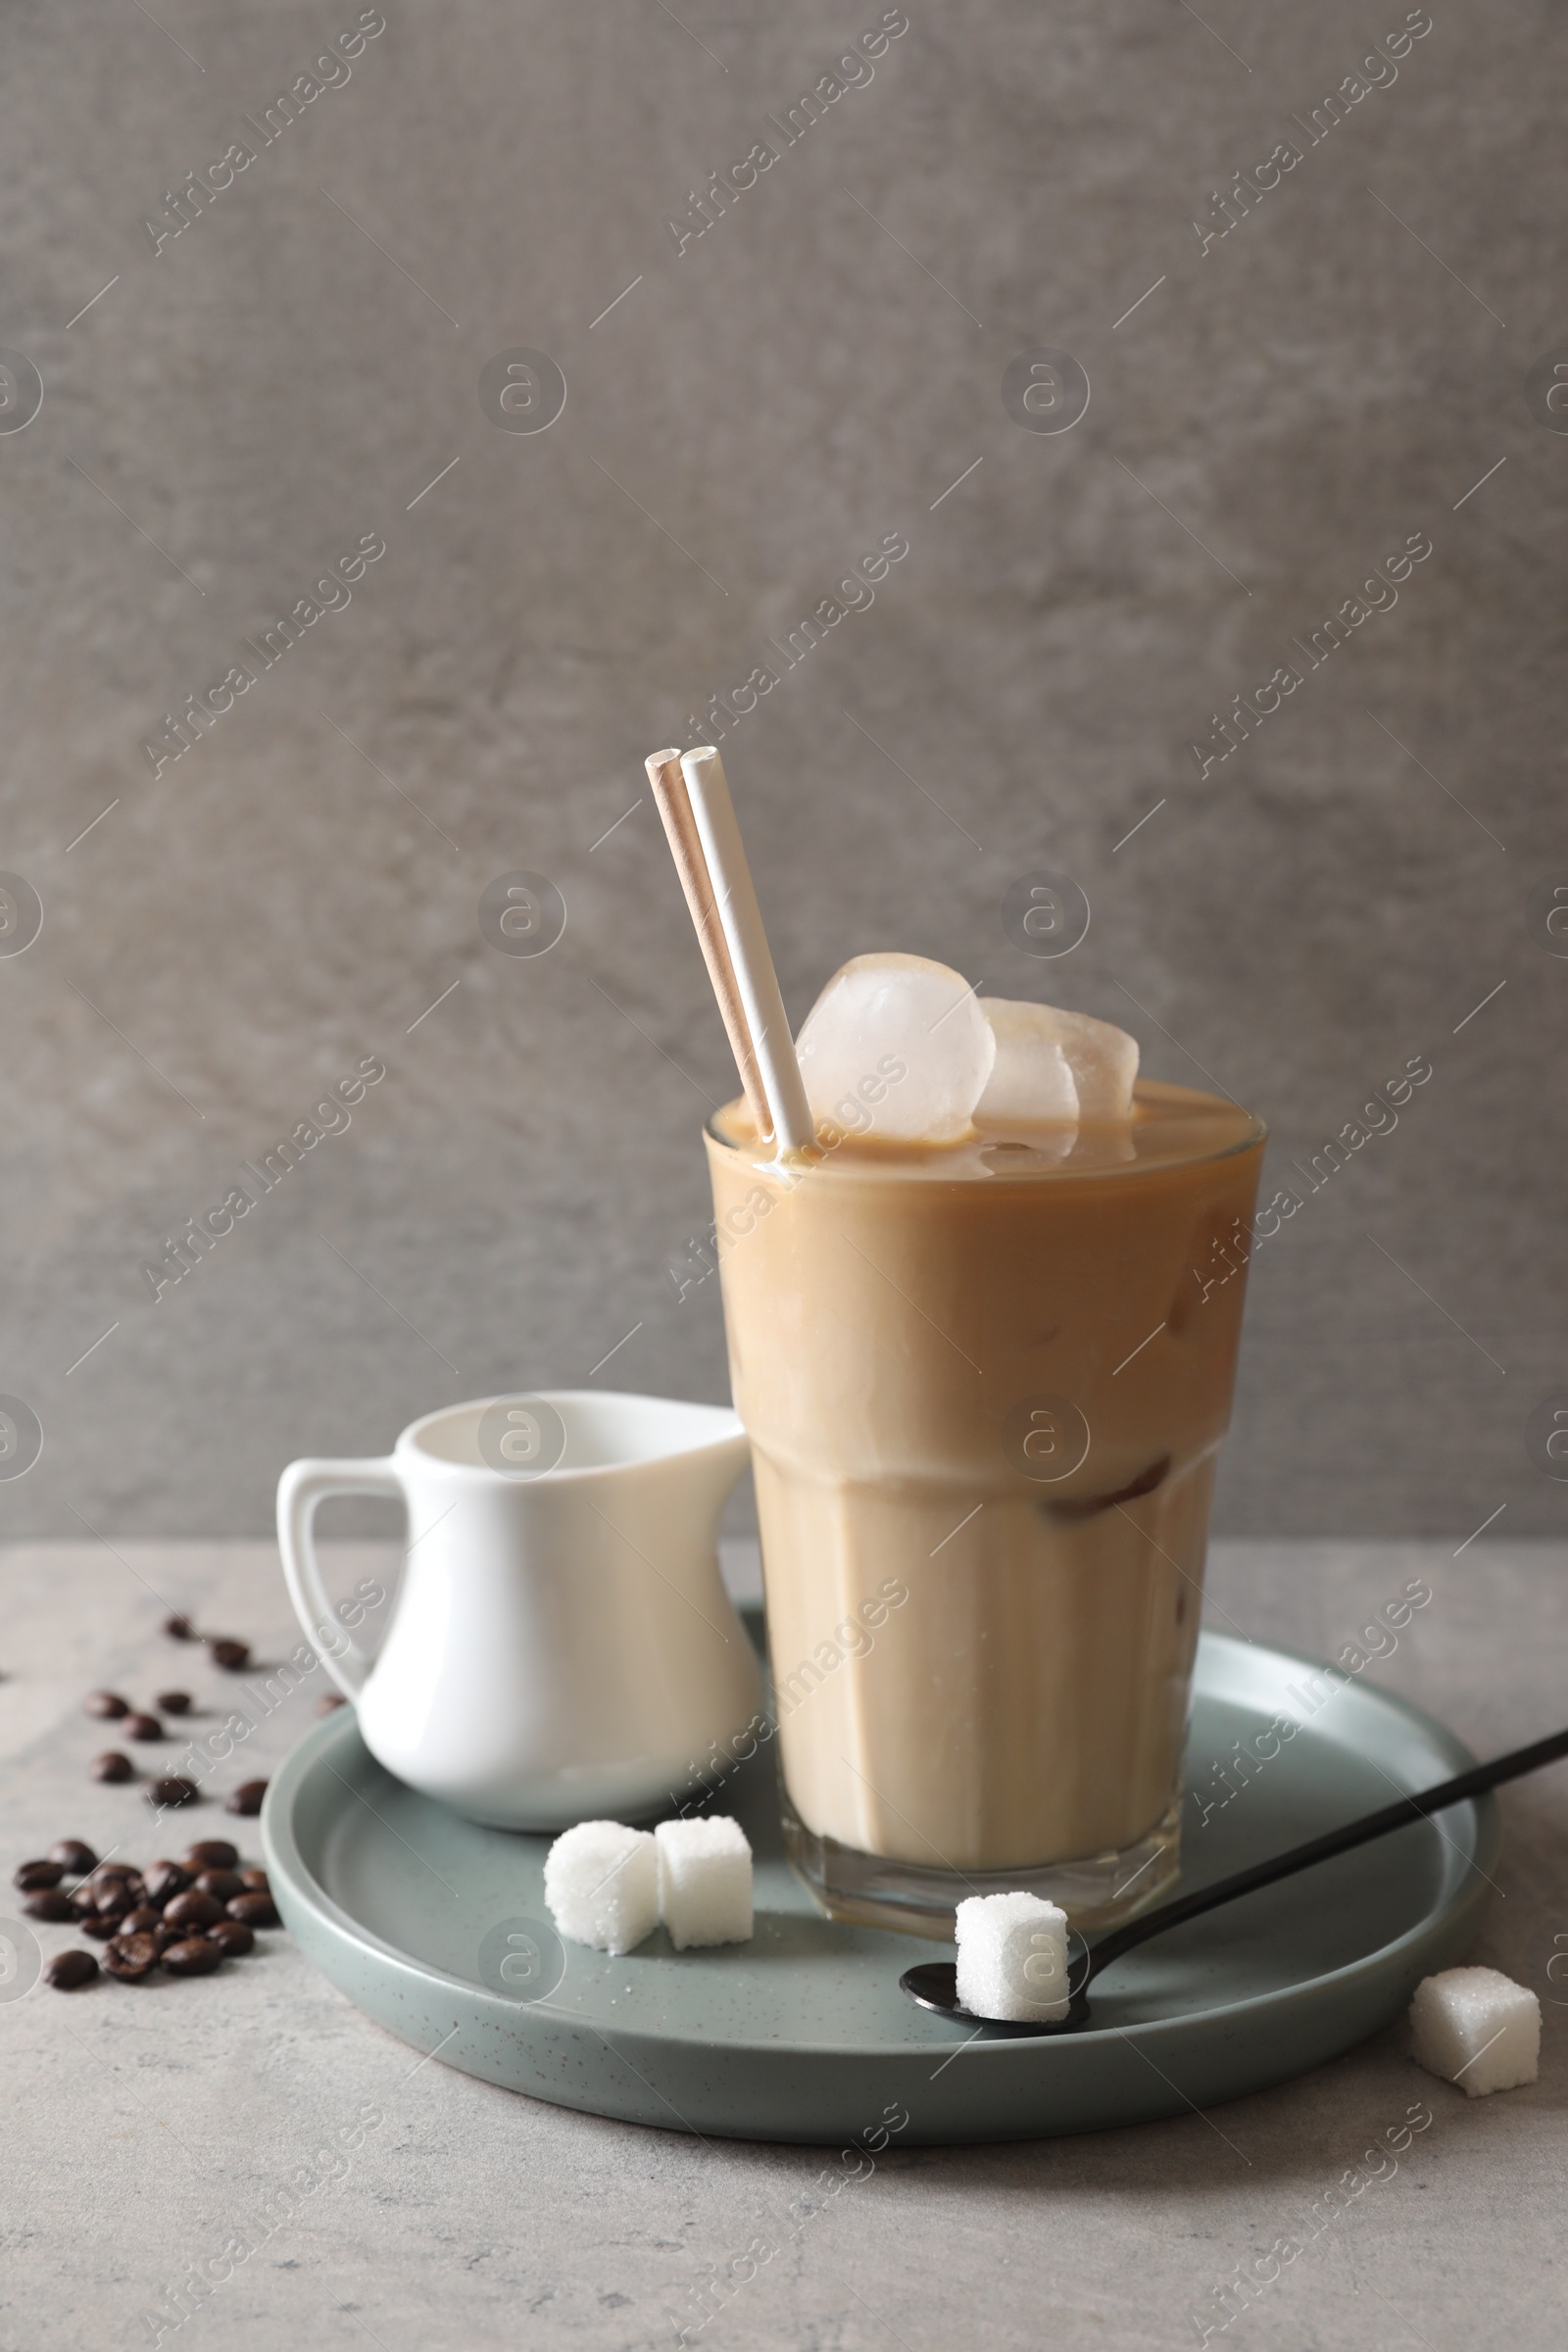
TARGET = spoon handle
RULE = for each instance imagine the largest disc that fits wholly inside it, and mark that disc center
(1474, 1783)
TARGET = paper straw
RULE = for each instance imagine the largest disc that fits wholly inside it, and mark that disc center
(680, 826)
(793, 1127)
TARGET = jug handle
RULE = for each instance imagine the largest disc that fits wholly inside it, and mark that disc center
(301, 1488)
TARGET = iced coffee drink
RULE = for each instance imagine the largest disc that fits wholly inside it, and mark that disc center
(983, 1341)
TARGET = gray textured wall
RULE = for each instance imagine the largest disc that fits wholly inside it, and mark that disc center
(290, 371)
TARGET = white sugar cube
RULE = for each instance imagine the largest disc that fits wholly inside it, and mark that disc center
(1477, 2028)
(705, 1880)
(602, 1886)
(1012, 1956)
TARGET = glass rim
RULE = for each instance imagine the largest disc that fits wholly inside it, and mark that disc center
(1056, 1172)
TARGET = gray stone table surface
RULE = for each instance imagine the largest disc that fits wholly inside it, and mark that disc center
(149, 2134)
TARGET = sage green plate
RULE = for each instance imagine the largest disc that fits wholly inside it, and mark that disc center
(803, 2034)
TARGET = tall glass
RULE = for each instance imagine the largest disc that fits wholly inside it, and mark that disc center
(984, 1387)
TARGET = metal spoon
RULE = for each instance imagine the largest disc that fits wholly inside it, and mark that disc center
(933, 1984)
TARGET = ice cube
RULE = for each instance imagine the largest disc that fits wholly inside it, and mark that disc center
(1031, 1080)
(1101, 1058)
(602, 1886)
(705, 1880)
(895, 1046)
(1477, 2028)
(1012, 1956)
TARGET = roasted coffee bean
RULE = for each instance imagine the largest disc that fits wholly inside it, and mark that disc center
(192, 1909)
(193, 1956)
(211, 1853)
(330, 1701)
(171, 1791)
(232, 1938)
(229, 1655)
(256, 1882)
(142, 1919)
(180, 1629)
(220, 1883)
(174, 1702)
(112, 1898)
(254, 1910)
(73, 1858)
(122, 1874)
(101, 1926)
(50, 1902)
(67, 1970)
(142, 1727)
(107, 1703)
(132, 1957)
(247, 1797)
(83, 1898)
(112, 1766)
(31, 1876)
(164, 1879)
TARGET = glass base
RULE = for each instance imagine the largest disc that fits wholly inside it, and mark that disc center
(866, 1890)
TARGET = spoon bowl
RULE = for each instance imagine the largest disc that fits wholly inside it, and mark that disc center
(934, 1984)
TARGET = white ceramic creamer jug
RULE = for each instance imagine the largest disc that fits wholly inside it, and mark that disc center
(561, 1646)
